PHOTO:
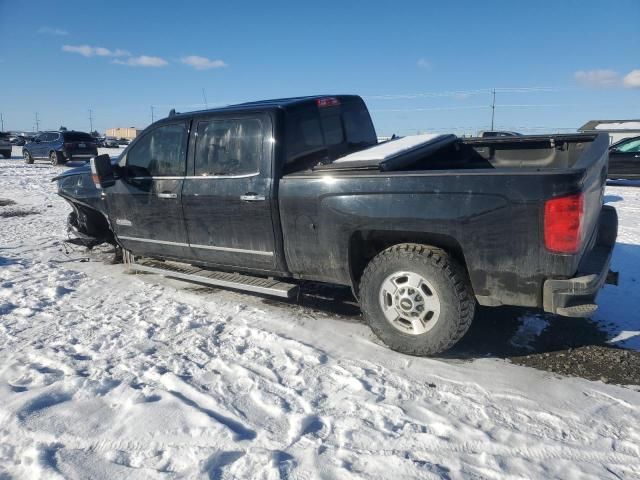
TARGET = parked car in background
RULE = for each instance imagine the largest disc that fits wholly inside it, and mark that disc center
(17, 140)
(123, 142)
(498, 133)
(421, 228)
(624, 159)
(60, 147)
(5, 145)
(111, 142)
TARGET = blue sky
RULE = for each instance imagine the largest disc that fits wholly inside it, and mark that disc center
(421, 65)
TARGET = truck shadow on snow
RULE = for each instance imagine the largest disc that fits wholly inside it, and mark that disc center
(493, 332)
(560, 345)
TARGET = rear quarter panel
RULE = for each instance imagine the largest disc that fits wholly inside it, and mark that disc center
(494, 216)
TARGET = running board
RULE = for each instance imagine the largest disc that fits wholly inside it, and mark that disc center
(184, 271)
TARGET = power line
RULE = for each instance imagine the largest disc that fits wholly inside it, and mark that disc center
(493, 108)
(204, 97)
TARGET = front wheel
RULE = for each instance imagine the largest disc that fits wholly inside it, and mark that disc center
(416, 299)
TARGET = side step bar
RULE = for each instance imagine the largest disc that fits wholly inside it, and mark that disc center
(184, 271)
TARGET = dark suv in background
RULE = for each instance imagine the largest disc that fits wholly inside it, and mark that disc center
(5, 145)
(60, 147)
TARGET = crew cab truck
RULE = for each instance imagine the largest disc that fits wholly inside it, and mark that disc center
(257, 195)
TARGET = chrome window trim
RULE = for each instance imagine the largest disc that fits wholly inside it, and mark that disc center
(205, 247)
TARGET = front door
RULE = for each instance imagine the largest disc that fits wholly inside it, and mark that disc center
(145, 204)
(227, 197)
(624, 159)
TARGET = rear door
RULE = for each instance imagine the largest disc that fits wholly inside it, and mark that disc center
(227, 198)
(624, 159)
(145, 205)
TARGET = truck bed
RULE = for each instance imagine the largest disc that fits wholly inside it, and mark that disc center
(447, 152)
(483, 198)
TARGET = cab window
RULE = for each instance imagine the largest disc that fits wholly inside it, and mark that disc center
(160, 152)
(230, 146)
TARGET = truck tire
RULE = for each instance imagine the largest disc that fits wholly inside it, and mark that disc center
(416, 299)
(28, 159)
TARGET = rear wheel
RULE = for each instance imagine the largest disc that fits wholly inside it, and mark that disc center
(27, 157)
(55, 158)
(6, 155)
(416, 299)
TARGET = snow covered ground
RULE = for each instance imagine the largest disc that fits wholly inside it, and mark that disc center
(105, 374)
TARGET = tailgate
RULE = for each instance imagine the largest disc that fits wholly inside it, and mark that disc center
(80, 147)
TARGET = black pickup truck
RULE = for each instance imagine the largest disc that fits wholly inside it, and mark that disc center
(259, 195)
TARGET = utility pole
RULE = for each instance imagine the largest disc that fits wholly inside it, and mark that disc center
(151, 113)
(1, 123)
(493, 108)
(90, 120)
(37, 123)
(204, 97)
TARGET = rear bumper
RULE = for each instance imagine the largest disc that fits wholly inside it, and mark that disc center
(575, 297)
(72, 155)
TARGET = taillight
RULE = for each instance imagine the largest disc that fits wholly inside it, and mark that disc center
(563, 218)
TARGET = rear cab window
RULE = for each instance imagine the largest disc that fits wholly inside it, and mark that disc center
(325, 130)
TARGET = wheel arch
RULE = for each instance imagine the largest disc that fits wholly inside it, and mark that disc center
(364, 245)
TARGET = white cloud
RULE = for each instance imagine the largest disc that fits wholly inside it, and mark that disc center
(202, 63)
(143, 61)
(89, 51)
(597, 78)
(52, 31)
(632, 79)
(424, 63)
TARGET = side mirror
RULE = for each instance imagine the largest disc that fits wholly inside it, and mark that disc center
(102, 171)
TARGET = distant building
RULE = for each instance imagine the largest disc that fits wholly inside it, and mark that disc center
(617, 129)
(123, 132)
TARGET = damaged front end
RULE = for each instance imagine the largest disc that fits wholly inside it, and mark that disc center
(87, 224)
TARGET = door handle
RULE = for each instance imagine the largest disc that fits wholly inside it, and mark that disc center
(252, 197)
(167, 195)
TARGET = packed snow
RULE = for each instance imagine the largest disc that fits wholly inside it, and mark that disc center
(106, 374)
